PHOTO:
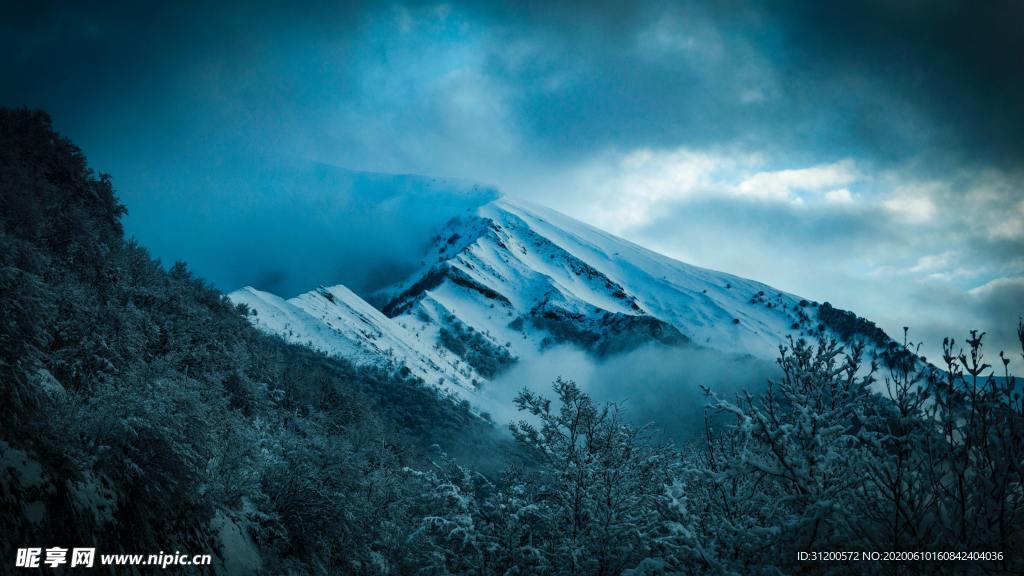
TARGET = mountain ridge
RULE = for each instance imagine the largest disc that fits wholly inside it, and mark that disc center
(512, 278)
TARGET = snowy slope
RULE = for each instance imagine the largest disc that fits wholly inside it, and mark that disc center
(339, 323)
(529, 276)
(510, 278)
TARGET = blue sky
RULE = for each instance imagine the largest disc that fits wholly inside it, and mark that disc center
(868, 154)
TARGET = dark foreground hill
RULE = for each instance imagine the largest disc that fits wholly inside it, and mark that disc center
(140, 412)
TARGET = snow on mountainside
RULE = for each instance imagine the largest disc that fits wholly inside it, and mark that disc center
(512, 278)
(528, 276)
(338, 322)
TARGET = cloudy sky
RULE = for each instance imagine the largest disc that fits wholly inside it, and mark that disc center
(869, 154)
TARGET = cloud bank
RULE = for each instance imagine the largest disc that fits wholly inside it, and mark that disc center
(290, 227)
(869, 154)
(653, 385)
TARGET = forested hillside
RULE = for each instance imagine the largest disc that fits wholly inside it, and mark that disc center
(140, 412)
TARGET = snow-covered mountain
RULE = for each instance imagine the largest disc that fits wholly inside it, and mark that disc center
(339, 323)
(517, 271)
(512, 278)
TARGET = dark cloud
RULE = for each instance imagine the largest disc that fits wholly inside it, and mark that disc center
(890, 80)
(885, 79)
(290, 227)
(957, 66)
(191, 106)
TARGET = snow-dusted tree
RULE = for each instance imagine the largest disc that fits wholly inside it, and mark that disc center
(786, 478)
(894, 507)
(975, 458)
(602, 484)
(515, 524)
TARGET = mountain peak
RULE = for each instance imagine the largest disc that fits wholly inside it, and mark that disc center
(510, 278)
(540, 267)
